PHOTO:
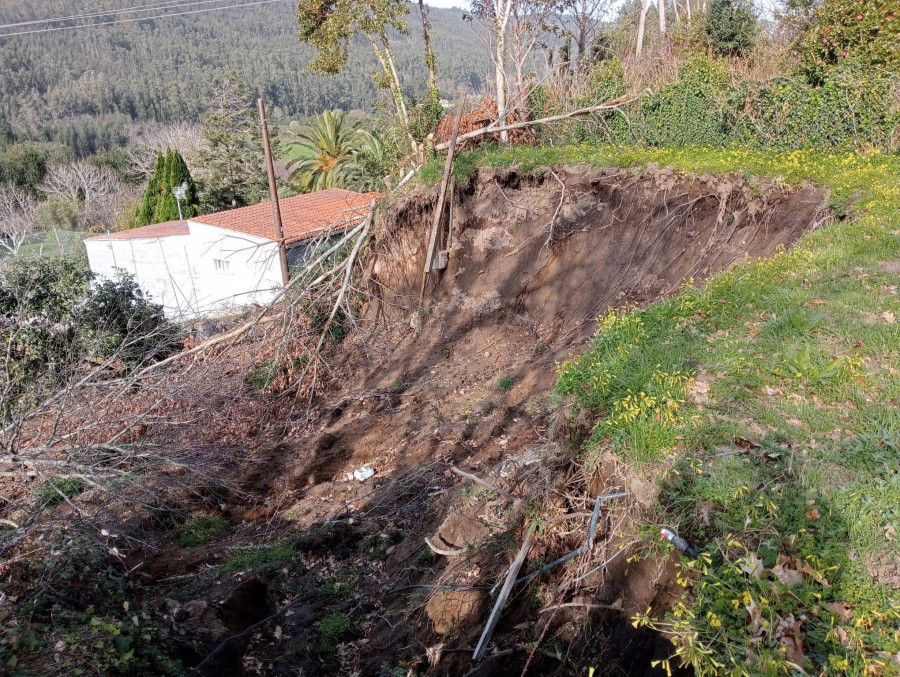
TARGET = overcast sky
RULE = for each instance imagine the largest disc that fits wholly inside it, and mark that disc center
(446, 3)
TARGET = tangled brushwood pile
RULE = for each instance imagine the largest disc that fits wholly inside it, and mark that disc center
(483, 114)
(399, 453)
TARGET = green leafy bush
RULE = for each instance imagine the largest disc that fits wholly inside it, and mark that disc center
(867, 31)
(850, 109)
(687, 112)
(125, 323)
(730, 27)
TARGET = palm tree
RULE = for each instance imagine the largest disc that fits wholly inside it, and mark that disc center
(327, 146)
(370, 163)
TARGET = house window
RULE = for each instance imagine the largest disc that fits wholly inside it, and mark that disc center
(222, 265)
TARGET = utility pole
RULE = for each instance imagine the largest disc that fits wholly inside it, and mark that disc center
(273, 193)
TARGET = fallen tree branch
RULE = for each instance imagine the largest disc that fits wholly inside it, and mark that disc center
(482, 483)
(495, 128)
(440, 551)
(502, 597)
(348, 272)
(584, 605)
(247, 326)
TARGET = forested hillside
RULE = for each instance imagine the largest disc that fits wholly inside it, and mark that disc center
(80, 87)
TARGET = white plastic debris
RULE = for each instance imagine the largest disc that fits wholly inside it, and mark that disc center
(361, 474)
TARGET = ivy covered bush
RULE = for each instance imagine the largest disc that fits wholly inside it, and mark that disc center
(853, 107)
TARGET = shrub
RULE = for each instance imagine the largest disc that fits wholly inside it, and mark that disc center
(687, 112)
(851, 109)
(730, 27)
(864, 30)
(506, 382)
(123, 322)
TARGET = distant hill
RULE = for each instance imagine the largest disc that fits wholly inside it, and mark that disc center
(81, 86)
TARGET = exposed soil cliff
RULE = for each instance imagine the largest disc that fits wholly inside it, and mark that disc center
(464, 379)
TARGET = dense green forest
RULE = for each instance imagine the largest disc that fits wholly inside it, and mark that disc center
(83, 87)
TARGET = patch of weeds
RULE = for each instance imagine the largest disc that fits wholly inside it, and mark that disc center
(397, 387)
(79, 616)
(262, 559)
(795, 321)
(378, 546)
(506, 383)
(337, 587)
(202, 531)
(424, 558)
(50, 493)
(332, 630)
(260, 379)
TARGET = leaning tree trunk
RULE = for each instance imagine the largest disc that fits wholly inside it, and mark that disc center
(386, 59)
(430, 61)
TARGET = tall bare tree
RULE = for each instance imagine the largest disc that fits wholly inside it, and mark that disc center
(495, 16)
(582, 19)
(530, 22)
(92, 188)
(642, 26)
(18, 217)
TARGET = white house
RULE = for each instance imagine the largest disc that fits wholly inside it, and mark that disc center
(213, 264)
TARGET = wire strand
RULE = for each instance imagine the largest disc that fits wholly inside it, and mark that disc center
(167, 4)
(144, 18)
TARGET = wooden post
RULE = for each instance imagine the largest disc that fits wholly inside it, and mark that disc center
(439, 210)
(273, 194)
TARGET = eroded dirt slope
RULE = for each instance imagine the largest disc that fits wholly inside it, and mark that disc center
(463, 379)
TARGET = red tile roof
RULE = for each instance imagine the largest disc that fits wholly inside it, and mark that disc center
(166, 229)
(302, 216)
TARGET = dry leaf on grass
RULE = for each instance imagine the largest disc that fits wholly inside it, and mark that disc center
(789, 633)
(753, 566)
(843, 637)
(813, 514)
(888, 317)
(843, 612)
(757, 625)
(890, 532)
(787, 576)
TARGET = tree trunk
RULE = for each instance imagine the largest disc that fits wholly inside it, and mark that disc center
(687, 7)
(662, 17)
(504, 8)
(430, 61)
(386, 59)
(677, 14)
(642, 25)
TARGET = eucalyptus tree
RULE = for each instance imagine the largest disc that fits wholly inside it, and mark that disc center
(331, 25)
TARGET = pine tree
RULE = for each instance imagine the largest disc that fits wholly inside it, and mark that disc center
(233, 159)
(159, 204)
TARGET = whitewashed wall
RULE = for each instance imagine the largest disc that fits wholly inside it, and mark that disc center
(180, 271)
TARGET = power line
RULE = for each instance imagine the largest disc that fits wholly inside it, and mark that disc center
(143, 18)
(172, 4)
